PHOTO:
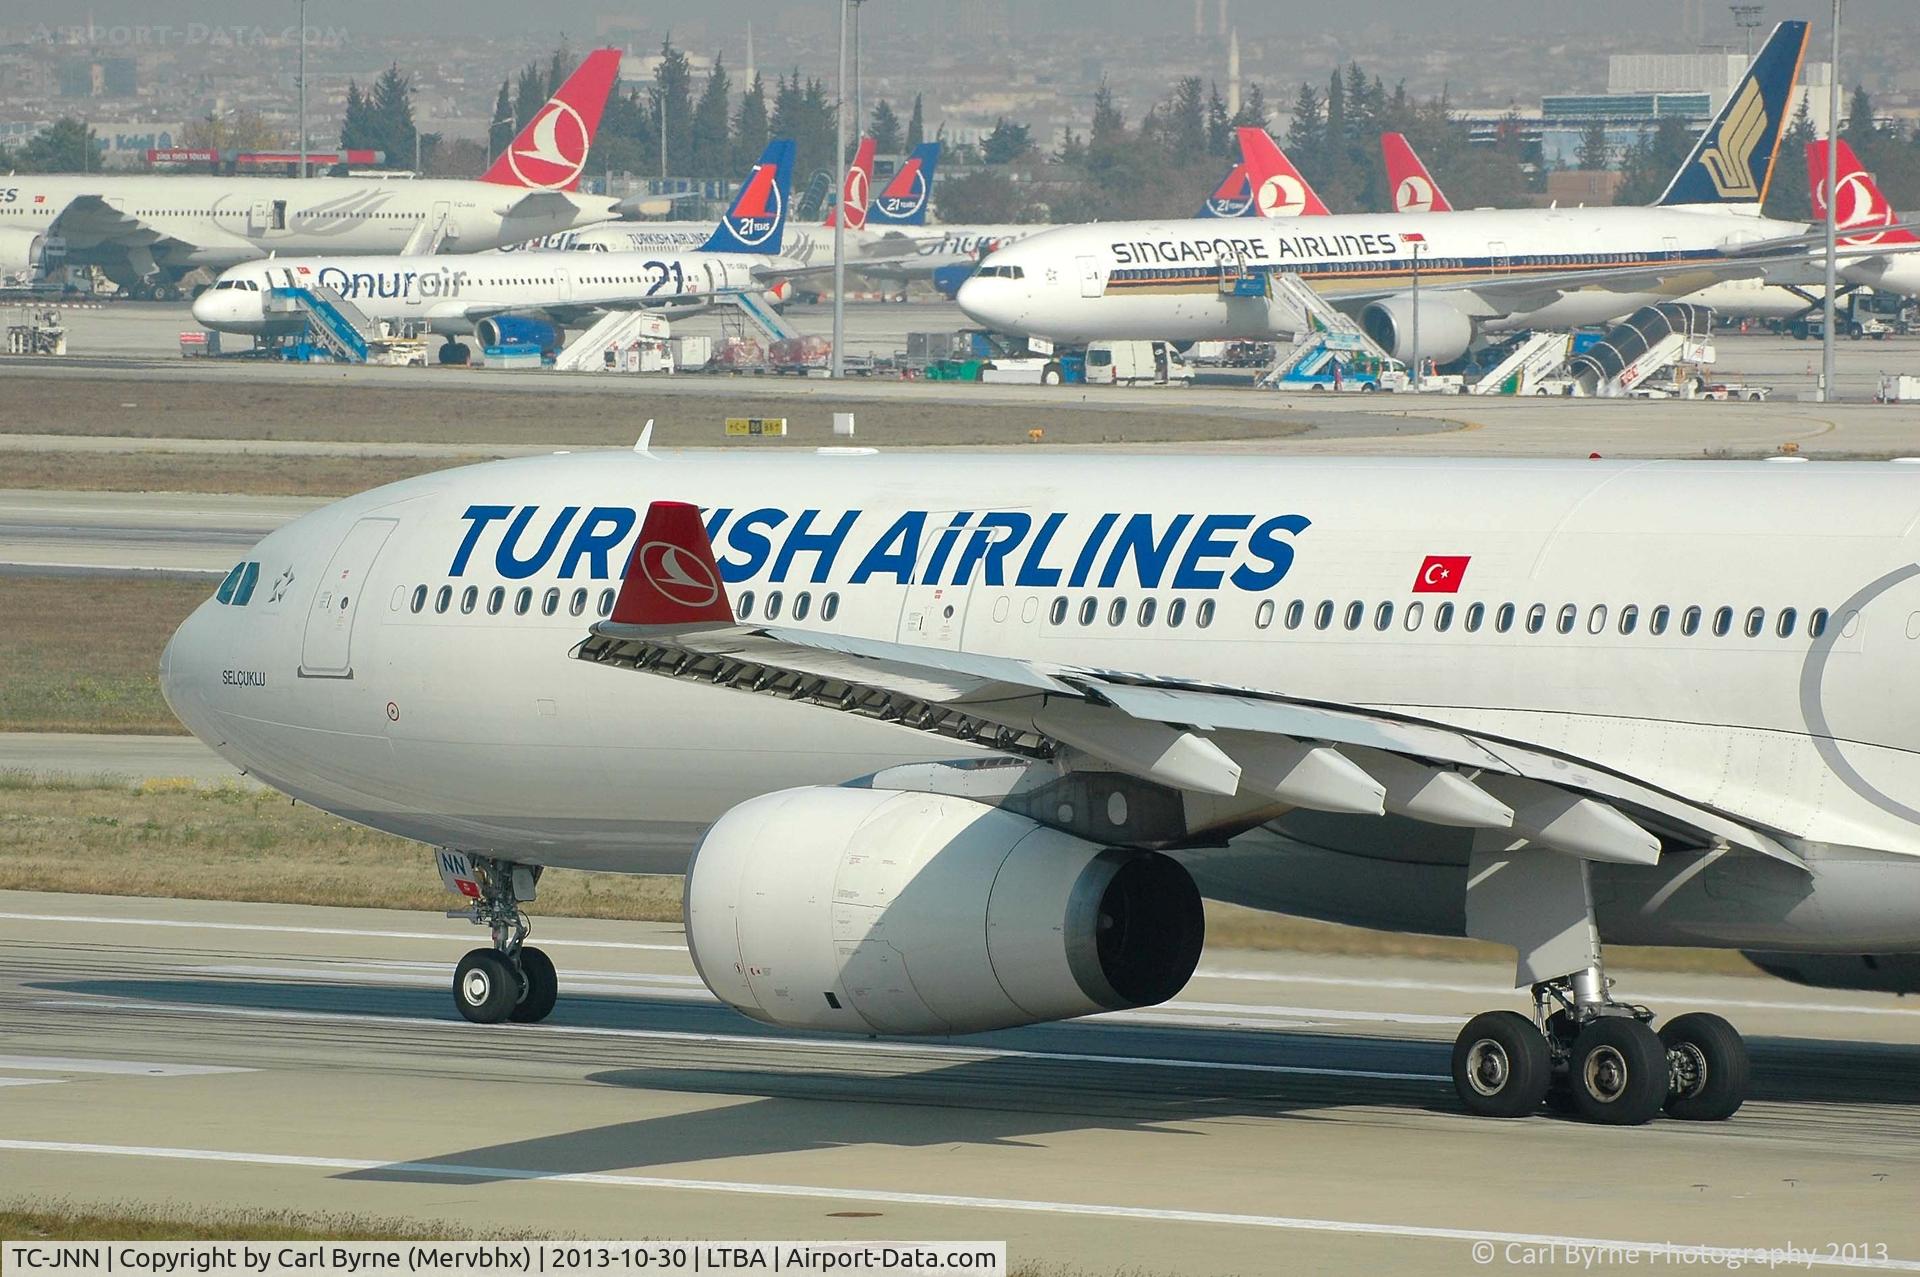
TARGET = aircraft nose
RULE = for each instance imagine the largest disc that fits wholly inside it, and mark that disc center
(991, 303)
(209, 307)
(184, 666)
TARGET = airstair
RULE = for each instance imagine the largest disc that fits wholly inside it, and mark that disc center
(755, 308)
(1536, 356)
(614, 331)
(1644, 344)
(1293, 307)
(432, 232)
(336, 328)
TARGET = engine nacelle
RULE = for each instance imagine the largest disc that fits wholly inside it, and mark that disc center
(1868, 972)
(900, 912)
(20, 252)
(519, 330)
(1445, 333)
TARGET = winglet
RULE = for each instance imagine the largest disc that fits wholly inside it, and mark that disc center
(671, 578)
(1414, 190)
(551, 152)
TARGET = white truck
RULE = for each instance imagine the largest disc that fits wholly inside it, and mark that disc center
(1134, 363)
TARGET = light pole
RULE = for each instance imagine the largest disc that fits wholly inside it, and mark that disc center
(303, 88)
(837, 366)
(1833, 173)
(1417, 240)
(1747, 18)
(859, 96)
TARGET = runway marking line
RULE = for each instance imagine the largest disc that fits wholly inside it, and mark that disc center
(1749, 1004)
(853, 1045)
(894, 1197)
(126, 1068)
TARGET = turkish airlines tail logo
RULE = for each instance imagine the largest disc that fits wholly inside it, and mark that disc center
(1414, 190)
(857, 188)
(1860, 211)
(1729, 161)
(550, 153)
(1441, 574)
(671, 577)
(1278, 188)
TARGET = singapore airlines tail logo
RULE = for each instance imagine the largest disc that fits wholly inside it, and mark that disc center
(1729, 161)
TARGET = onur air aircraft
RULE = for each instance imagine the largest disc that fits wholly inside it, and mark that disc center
(145, 232)
(956, 749)
(1782, 293)
(526, 297)
(1479, 271)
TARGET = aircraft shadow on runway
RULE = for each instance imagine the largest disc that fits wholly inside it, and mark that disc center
(807, 1092)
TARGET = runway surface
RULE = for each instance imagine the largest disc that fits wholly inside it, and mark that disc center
(130, 758)
(166, 531)
(1285, 1113)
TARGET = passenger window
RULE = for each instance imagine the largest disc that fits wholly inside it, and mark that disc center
(1629, 618)
(444, 599)
(1536, 618)
(1503, 619)
(773, 605)
(1443, 618)
(1203, 615)
(249, 578)
(496, 599)
(830, 607)
(1783, 626)
(1057, 614)
(1116, 611)
(1356, 613)
(1568, 615)
(1323, 615)
(1383, 616)
(469, 599)
(1263, 615)
(1756, 622)
(1176, 613)
(802, 604)
(225, 592)
(1690, 621)
(1816, 622)
(550, 602)
(1722, 621)
(419, 598)
(1657, 619)
(523, 601)
(1415, 610)
(577, 605)
(1296, 613)
(1597, 619)
(1089, 608)
(1145, 615)
(745, 606)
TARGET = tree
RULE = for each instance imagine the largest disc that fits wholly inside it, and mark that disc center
(389, 107)
(983, 196)
(750, 130)
(1187, 118)
(710, 138)
(1859, 128)
(885, 129)
(916, 125)
(673, 92)
(65, 146)
(501, 129)
(1219, 127)
(1008, 142)
(1789, 197)
(1253, 109)
(1109, 128)
(243, 129)
(530, 93)
(1596, 152)
(1653, 161)
(1307, 133)
(1073, 150)
(355, 127)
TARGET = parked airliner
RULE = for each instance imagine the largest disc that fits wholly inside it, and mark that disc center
(961, 748)
(1479, 271)
(145, 232)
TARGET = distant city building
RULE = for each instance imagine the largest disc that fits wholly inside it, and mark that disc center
(98, 78)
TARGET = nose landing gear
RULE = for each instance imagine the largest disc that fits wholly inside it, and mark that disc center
(510, 980)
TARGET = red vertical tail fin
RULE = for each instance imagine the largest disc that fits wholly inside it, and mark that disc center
(1276, 186)
(1414, 190)
(1860, 210)
(550, 153)
(856, 189)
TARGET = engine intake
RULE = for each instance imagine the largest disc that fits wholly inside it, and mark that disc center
(509, 331)
(1445, 333)
(879, 911)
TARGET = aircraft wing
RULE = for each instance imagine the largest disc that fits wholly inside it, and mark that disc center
(89, 220)
(1192, 737)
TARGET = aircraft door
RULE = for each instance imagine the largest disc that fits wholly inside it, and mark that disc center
(1090, 281)
(563, 281)
(934, 615)
(327, 650)
(708, 268)
(1672, 247)
(259, 218)
(1498, 257)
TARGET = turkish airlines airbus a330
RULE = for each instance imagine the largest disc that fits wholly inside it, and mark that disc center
(958, 748)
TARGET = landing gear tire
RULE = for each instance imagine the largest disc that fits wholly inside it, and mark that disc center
(540, 987)
(486, 988)
(454, 354)
(1050, 375)
(1501, 1065)
(1618, 1071)
(1708, 1067)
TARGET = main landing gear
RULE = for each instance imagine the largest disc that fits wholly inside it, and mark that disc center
(1584, 1053)
(510, 980)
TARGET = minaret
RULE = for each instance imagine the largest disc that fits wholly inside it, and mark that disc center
(1233, 72)
(1220, 28)
(749, 80)
(1199, 17)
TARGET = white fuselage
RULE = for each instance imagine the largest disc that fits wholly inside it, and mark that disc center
(801, 245)
(403, 660)
(1163, 279)
(449, 295)
(186, 221)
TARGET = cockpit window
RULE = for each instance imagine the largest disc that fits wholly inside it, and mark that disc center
(1001, 272)
(243, 593)
(225, 592)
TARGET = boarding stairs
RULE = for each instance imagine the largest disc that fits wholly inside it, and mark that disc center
(428, 237)
(1646, 343)
(614, 330)
(753, 305)
(1532, 359)
(335, 325)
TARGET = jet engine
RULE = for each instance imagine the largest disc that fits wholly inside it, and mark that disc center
(1445, 333)
(519, 330)
(20, 252)
(901, 912)
(1876, 973)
